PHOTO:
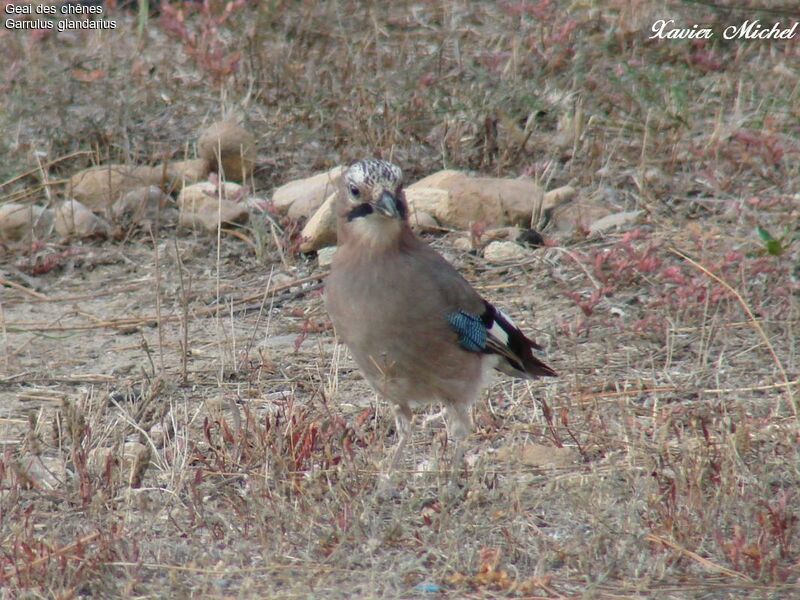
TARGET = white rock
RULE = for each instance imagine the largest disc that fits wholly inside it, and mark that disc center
(578, 215)
(139, 204)
(422, 221)
(465, 201)
(18, 221)
(229, 149)
(469, 200)
(558, 196)
(325, 255)
(490, 200)
(99, 187)
(614, 221)
(320, 230)
(504, 251)
(48, 473)
(186, 172)
(462, 245)
(300, 198)
(427, 199)
(202, 205)
(437, 180)
(502, 233)
(73, 219)
(127, 463)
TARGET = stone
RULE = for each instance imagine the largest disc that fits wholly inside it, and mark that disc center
(470, 200)
(202, 204)
(24, 221)
(229, 149)
(492, 201)
(503, 251)
(427, 200)
(73, 219)
(186, 172)
(463, 244)
(325, 256)
(614, 221)
(302, 197)
(437, 180)
(539, 455)
(422, 221)
(558, 196)
(519, 199)
(577, 215)
(459, 202)
(552, 200)
(98, 188)
(127, 464)
(47, 473)
(138, 205)
(501, 233)
(320, 231)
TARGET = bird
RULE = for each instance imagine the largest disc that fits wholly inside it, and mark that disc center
(417, 330)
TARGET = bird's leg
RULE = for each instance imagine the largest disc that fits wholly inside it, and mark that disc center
(459, 424)
(402, 419)
(430, 418)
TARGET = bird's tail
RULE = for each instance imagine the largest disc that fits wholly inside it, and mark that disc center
(513, 347)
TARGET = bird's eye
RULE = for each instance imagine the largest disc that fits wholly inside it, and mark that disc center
(354, 191)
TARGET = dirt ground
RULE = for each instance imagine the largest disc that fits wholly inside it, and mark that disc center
(177, 420)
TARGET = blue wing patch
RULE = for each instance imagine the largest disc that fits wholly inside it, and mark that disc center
(470, 329)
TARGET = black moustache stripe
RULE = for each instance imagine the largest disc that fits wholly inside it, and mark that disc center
(402, 209)
(362, 210)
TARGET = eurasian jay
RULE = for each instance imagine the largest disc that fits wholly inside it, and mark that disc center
(416, 329)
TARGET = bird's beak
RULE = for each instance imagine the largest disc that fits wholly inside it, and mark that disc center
(387, 205)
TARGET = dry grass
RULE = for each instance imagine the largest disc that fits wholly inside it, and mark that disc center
(177, 421)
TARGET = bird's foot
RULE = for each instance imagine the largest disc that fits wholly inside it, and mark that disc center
(385, 486)
(431, 418)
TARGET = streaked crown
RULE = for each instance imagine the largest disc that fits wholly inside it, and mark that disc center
(374, 173)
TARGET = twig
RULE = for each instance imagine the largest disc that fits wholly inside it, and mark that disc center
(275, 290)
(583, 268)
(4, 331)
(753, 388)
(60, 552)
(753, 320)
(185, 315)
(286, 297)
(131, 322)
(260, 312)
(218, 262)
(548, 417)
(23, 289)
(158, 300)
(704, 562)
(97, 293)
(47, 164)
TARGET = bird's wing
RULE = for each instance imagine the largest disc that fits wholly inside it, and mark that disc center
(493, 332)
(480, 326)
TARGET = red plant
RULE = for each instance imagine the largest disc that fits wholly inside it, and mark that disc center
(201, 38)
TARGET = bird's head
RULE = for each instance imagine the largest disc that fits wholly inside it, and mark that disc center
(370, 205)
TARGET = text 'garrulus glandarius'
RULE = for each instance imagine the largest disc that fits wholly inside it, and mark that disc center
(418, 331)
